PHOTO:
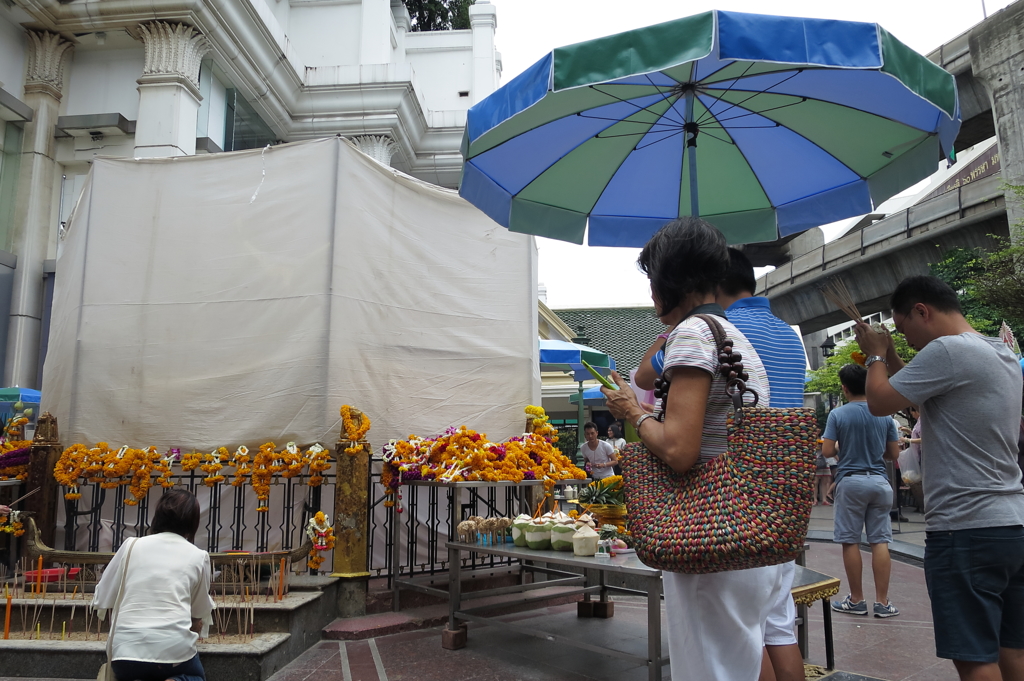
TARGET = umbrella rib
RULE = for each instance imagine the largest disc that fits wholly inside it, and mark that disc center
(725, 91)
(751, 112)
(627, 120)
(666, 137)
(755, 94)
(626, 101)
(658, 88)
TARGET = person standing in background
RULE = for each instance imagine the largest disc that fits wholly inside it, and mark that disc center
(785, 361)
(599, 455)
(968, 388)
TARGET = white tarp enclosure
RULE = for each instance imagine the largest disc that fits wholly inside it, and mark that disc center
(239, 298)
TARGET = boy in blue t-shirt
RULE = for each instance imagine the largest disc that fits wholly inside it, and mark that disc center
(863, 496)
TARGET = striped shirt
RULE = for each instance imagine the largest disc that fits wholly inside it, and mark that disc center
(778, 346)
(691, 344)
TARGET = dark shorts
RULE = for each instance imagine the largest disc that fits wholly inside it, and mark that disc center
(131, 670)
(976, 583)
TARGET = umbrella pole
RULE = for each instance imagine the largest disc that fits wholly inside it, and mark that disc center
(691, 156)
(579, 419)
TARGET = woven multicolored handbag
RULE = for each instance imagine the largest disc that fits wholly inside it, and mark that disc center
(747, 508)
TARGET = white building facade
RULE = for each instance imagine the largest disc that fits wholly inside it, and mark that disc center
(81, 78)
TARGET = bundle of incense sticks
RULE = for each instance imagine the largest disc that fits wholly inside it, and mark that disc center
(837, 294)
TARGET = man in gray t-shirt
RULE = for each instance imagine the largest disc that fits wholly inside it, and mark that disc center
(968, 388)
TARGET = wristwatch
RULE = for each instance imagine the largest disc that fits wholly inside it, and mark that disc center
(874, 358)
(640, 421)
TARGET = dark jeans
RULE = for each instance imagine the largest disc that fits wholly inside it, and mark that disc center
(133, 670)
(976, 583)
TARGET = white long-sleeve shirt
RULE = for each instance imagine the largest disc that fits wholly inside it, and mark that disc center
(166, 586)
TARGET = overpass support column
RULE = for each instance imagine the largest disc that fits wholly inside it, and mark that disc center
(997, 58)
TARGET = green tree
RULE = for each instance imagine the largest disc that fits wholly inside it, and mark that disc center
(825, 379)
(961, 268)
(1000, 283)
(439, 15)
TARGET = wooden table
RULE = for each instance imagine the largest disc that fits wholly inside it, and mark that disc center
(810, 586)
(455, 635)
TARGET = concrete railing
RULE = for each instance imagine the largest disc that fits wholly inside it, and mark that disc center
(888, 234)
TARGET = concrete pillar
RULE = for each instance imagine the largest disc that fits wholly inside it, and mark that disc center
(169, 90)
(997, 59)
(34, 222)
(375, 32)
(403, 22)
(812, 344)
(379, 147)
(483, 19)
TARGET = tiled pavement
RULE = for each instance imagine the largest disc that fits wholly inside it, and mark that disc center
(895, 649)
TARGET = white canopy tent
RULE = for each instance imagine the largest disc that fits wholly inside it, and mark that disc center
(239, 298)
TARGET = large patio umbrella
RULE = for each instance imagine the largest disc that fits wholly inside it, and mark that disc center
(556, 355)
(765, 126)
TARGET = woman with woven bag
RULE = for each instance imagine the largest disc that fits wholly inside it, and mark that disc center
(157, 588)
(715, 618)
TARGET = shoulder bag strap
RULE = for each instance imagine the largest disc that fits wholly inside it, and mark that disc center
(731, 367)
(117, 602)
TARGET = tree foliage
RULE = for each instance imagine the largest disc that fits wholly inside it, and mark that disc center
(990, 285)
(825, 379)
(439, 15)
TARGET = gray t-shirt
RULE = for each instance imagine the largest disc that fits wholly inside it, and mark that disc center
(969, 390)
(862, 438)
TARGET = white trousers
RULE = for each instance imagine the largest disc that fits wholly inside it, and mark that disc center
(780, 629)
(716, 622)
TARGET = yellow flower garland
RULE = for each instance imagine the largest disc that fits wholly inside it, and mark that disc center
(262, 475)
(354, 433)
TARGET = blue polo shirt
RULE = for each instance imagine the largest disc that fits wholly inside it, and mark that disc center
(777, 344)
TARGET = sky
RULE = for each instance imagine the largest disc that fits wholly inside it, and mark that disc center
(580, 276)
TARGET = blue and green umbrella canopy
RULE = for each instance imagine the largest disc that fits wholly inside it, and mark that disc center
(795, 122)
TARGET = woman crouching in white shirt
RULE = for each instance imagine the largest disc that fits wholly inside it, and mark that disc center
(166, 601)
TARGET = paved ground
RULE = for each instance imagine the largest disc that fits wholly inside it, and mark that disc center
(895, 649)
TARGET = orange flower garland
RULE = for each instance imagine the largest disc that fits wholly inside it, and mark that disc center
(212, 464)
(321, 533)
(319, 461)
(463, 454)
(262, 475)
(12, 525)
(354, 433)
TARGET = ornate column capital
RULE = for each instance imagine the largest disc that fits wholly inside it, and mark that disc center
(379, 147)
(173, 54)
(44, 70)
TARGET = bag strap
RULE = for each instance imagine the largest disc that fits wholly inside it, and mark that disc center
(117, 602)
(730, 367)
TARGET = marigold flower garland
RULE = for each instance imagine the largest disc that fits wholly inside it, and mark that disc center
(461, 454)
(14, 459)
(321, 532)
(12, 525)
(354, 433)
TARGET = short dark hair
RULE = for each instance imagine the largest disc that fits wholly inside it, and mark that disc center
(854, 377)
(177, 512)
(588, 425)
(926, 289)
(740, 276)
(616, 430)
(685, 256)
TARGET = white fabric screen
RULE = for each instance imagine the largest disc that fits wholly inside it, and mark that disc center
(189, 314)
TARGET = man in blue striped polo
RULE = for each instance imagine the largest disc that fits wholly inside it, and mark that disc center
(785, 361)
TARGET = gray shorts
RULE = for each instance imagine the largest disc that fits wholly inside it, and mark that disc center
(863, 502)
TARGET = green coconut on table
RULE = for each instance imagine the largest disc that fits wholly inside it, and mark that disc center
(519, 526)
(538, 534)
(561, 535)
